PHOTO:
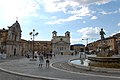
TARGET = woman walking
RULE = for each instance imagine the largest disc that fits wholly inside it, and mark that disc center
(41, 60)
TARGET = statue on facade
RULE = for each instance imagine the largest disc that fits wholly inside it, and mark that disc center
(102, 33)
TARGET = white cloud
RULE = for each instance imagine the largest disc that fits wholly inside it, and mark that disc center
(69, 5)
(18, 8)
(112, 12)
(42, 17)
(75, 40)
(99, 2)
(119, 10)
(119, 24)
(89, 32)
(73, 7)
(54, 17)
(88, 2)
(104, 13)
(84, 22)
(59, 5)
(65, 5)
(59, 21)
(29, 8)
(84, 11)
(94, 17)
(24, 8)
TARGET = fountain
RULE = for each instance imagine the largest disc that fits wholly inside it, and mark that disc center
(102, 61)
(104, 57)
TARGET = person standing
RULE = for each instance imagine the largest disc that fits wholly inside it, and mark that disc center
(47, 63)
(41, 60)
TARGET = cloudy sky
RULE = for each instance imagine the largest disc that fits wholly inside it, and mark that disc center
(82, 18)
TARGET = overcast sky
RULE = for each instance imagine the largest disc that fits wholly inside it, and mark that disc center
(82, 18)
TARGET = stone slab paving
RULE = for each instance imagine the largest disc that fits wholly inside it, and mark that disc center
(58, 71)
(66, 66)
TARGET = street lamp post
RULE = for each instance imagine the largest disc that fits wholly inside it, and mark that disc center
(86, 41)
(86, 48)
(33, 34)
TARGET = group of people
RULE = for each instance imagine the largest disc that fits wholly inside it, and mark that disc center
(41, 60)
(2, 55)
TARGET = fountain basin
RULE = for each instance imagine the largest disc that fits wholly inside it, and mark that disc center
(77, 64)
(106, 62)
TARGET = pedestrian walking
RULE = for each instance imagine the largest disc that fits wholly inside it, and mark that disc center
(47, 63)
(41, 60)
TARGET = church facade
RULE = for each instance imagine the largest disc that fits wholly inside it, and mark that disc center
(11, 45)
(61, 44)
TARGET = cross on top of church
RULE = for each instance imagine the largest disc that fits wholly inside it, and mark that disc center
(16, 18)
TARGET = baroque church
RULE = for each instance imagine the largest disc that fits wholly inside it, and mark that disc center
(11, 42)
(61, 44)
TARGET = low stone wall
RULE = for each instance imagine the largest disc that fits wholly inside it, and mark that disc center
(91, 68)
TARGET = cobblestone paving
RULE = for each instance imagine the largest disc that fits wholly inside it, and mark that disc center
(11, 58)
(7, 76)
(60, 69)
(65, 66)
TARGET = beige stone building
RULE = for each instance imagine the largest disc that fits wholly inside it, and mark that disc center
(78, 48)
(110, 41)
(25, 46)
(3, 38)
(11, 40)
(93, 46)
(41, 46)
(61, 44)
(118, 44)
